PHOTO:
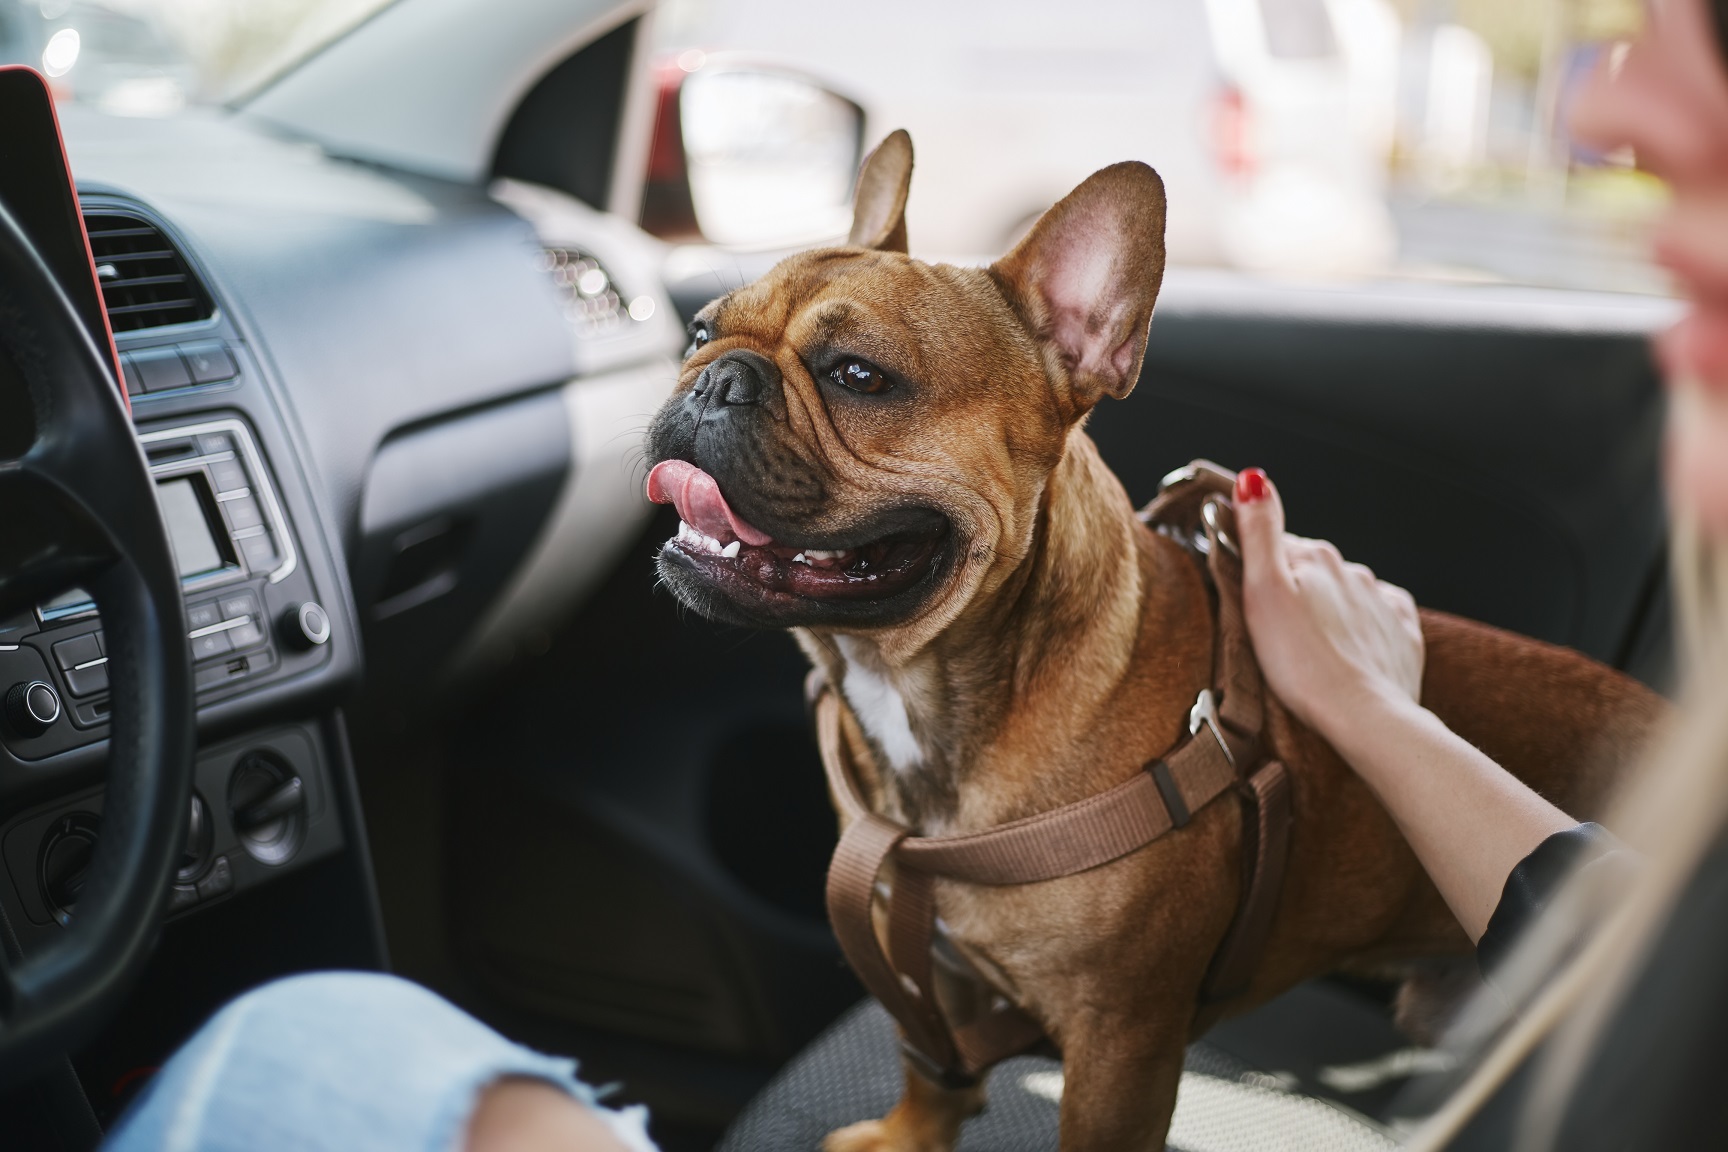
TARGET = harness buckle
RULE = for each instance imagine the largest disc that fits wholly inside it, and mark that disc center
(1212, 514)
(1183, 475)
(1205, 712)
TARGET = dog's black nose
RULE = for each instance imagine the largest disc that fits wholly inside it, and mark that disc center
(739, 377)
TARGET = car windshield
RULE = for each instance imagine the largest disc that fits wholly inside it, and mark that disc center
(153, 57)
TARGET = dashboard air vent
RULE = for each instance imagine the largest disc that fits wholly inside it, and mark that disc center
(591, 297)
(145, 282)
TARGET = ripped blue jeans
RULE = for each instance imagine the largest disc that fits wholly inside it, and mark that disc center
(348, 1061)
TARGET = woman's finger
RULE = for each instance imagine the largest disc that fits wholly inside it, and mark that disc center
(1260, 529)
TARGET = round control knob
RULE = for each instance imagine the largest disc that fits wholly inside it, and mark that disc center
(32, 707)
(66, 853)
(267, 807)
(305, 626)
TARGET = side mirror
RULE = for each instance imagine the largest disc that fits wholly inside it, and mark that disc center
(750, 156)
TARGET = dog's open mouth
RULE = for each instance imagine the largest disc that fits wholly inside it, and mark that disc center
(717, 541)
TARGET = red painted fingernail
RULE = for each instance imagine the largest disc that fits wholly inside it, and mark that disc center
(1250, 485)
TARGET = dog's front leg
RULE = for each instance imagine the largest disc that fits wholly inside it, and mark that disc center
(927, 1119)
(1120, 1075)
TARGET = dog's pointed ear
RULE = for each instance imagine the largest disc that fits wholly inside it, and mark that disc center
(879, 205)
(1085, 278)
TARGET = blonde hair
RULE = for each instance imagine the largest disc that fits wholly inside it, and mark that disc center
(1572, 974)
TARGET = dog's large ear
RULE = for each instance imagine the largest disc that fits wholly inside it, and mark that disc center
(1085, 278)
(879, 206)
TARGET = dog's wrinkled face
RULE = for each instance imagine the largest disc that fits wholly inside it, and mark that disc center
(859, 441)
(868, 430)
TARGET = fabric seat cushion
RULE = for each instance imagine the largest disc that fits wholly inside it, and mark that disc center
(852, 1072)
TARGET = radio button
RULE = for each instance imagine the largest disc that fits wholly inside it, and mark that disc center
(215, 644)
(208, 363)
(240, 604)
(229, 475)
(160, 369)
(78, 650)
(259, 551)
(89, 680)
(202, 615)
(242, 512)
(134, 382)
(247, 635)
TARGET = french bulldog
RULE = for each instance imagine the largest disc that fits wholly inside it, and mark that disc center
(889, 458)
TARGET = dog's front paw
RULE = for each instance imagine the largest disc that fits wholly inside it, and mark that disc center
(870, 1136)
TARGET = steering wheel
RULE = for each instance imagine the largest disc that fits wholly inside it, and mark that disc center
(78, 509)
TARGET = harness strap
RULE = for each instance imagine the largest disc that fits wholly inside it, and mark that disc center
(1215, 757)
(1059, 842)
(1266, 843)
(864, 848)
(1197, 492)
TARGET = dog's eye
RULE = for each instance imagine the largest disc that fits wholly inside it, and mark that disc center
(698, 337)
(860, 376)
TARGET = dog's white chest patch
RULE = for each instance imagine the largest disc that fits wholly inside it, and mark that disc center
(880, 709)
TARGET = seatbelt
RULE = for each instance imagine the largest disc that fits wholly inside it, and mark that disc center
(1220, 753)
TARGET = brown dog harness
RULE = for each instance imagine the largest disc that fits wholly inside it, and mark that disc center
(1220, 753)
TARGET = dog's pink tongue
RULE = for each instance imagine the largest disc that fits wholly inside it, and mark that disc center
(697, 497)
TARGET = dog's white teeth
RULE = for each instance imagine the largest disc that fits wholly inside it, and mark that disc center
(822, 557)
(696, 538)
(731, 550)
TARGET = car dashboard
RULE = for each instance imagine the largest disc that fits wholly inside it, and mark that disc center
(388, 419)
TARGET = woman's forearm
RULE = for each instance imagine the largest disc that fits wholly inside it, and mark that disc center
(1469, 820)
(1343, 650)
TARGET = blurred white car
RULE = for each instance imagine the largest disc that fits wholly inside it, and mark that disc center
(1270, 120)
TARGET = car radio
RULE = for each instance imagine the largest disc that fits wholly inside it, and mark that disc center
(221, 509)
(236, 556)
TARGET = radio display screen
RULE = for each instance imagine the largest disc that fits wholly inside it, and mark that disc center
(195, 547)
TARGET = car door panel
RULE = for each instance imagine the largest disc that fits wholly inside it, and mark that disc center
(1507, 472)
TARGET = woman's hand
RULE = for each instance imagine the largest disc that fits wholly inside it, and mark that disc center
(1332, 640)
(1343, 651)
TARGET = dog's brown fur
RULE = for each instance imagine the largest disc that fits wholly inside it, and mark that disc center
(1065, 642)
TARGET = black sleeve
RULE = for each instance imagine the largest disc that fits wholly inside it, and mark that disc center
(1533, 883)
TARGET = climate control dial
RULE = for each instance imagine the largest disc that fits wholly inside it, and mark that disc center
(305, 626)
(32, 707)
